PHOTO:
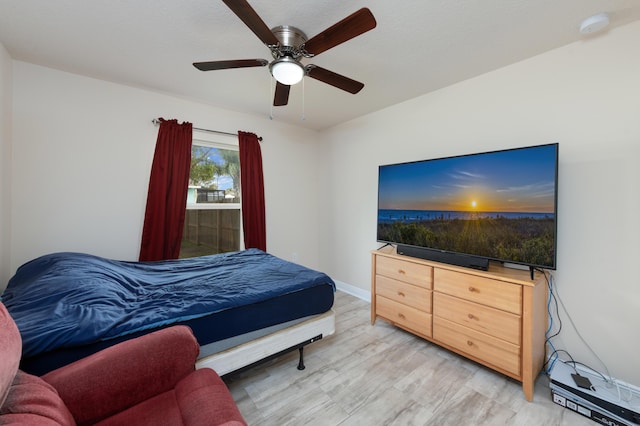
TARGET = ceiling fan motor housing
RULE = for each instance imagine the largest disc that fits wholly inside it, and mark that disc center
(291, 39)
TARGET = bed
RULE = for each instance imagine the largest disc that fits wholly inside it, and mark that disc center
(243, 306)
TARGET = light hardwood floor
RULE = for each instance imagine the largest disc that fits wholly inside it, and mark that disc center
(381, 375)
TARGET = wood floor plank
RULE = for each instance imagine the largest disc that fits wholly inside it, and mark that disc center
(382, 375)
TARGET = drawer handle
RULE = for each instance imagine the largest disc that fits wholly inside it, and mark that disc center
(469, 342)
(401, 294)
(401, 316)
(471, 316)
(401, 271)
(473, 289)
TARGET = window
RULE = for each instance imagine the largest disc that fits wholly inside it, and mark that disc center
(212, 222)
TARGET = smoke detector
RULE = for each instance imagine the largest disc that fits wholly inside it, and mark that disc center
(594, 23)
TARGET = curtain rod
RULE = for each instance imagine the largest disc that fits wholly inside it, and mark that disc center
(218, 132)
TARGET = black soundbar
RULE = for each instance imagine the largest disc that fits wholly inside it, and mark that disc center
(464, 260)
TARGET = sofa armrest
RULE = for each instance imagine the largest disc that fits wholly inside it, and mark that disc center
(125, 374)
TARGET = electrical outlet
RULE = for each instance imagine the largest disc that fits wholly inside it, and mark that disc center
(294, 257)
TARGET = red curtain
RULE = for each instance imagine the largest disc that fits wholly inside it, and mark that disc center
(252, 183)
(167, 196)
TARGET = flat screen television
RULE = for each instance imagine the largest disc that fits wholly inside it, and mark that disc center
(470, 209)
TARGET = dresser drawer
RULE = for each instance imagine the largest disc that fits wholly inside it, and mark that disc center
(487, 291)
(409, 272)
(488, 349)
(407, 294)
(497, 323)
(405, 316)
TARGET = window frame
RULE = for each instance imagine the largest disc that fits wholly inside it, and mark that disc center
(210, 140)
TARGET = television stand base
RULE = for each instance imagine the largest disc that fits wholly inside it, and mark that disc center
(463, 260)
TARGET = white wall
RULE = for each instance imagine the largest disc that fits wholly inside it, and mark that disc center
(5, 165)
(586, 96)
(82, 156)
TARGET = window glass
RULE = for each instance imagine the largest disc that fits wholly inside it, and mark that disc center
(212, 222)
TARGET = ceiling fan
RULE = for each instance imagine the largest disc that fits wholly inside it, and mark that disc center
(289, 44)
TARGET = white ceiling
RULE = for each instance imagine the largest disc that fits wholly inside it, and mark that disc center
(418, 46)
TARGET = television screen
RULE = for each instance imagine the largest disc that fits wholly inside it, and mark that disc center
(498, 205)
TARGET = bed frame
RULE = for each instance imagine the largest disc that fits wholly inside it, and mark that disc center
(248, 354)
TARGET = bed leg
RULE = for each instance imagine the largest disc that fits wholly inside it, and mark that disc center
(301, 362)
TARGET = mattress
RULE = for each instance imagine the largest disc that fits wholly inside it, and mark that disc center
(253, 292)
(215, 332)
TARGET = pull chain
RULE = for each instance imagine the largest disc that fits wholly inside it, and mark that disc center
(303, 117)
(271, 95)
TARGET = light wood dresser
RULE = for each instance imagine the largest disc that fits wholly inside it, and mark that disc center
(496, 317)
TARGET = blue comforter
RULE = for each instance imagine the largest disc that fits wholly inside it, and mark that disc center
(69, 299)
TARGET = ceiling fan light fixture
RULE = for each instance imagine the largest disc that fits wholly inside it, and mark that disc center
(287, 70)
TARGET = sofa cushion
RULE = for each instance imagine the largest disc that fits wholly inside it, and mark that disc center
(161, 410)
(33, 401)
(200, 398)
(203, 395)
(123, 375)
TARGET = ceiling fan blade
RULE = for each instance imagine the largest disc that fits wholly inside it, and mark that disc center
(336, 80)
(245, 12)
(235, 63)
(352, 26)
(282, 94)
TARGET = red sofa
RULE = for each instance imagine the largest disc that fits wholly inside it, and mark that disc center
(150, 380)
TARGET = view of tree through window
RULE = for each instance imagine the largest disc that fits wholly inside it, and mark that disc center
(212, 221)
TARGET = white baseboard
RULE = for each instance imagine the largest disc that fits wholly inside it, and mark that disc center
(354, 291)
